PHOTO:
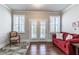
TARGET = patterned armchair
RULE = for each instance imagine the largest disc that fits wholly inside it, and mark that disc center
(14, 37)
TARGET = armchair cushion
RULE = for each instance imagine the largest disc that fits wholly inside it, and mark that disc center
(13, 34)
(14, 38)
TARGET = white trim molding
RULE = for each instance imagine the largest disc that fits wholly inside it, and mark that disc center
(38, 11)
(5, 6)
(69, 7)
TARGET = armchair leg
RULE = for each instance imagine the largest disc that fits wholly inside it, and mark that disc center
(10, 43)
(19, 41)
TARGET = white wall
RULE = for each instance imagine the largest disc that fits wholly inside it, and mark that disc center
(68, 17)
(5, 25)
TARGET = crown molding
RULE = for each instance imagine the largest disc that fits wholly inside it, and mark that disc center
(5, 6)
(69, 7)
(58, 12)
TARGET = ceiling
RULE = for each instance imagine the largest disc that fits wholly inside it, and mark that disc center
(44, 7)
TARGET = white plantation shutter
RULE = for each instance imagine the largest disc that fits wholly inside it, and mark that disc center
(18, 23)
(54, 23)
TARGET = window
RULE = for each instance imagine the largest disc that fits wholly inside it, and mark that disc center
(54, 23)
(18, 23)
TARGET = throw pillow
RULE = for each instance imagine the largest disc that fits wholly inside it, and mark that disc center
(59, 36)
(69, 37)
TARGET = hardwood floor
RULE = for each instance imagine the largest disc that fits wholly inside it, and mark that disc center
(43, 48)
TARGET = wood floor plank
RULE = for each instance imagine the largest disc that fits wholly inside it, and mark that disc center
(43, 48)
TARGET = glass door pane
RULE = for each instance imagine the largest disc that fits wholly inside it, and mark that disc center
(42, 29)
(33, 29)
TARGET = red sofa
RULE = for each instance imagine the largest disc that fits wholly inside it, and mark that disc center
(65, 45)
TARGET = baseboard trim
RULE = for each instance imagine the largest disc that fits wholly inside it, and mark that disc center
(30, 40)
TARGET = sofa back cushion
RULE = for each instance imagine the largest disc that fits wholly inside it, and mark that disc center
(64, 35)
(75, 36)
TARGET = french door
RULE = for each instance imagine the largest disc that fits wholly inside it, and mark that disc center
(38, 29)
(42, 29)
(33, 30)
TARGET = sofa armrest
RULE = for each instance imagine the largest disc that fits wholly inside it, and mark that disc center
(70, 41)
(54, 35)
(68, 44)
(68, 47)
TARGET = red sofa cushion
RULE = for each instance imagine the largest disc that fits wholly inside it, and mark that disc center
(64, 35)
(75, 36)
(73, 40)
